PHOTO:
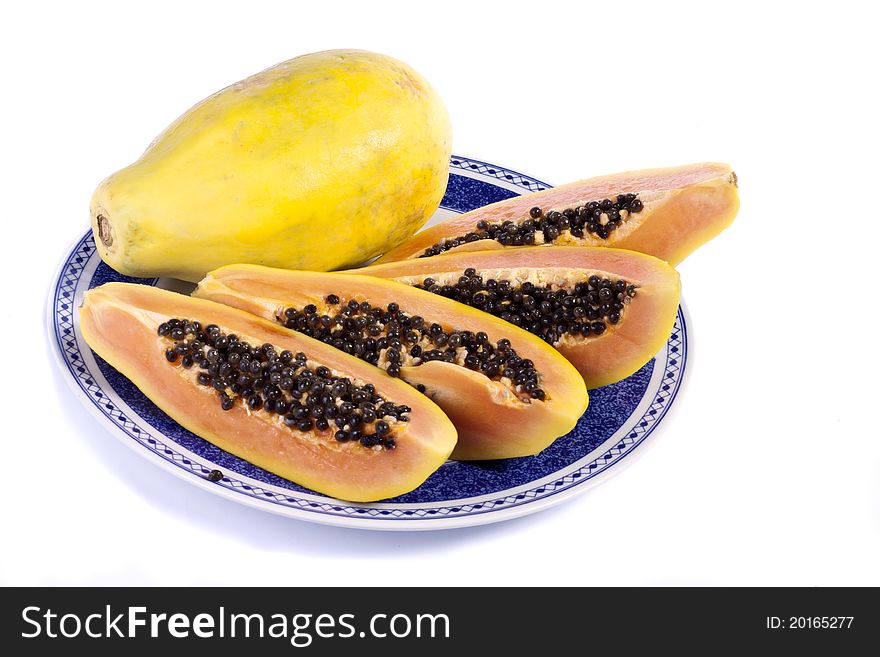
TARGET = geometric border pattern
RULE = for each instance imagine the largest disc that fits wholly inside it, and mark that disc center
(62, 300)
(485, 168)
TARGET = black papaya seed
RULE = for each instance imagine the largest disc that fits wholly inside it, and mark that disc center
(598, 217)
(269, 382)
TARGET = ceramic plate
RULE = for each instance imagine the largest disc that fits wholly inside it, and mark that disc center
(619, 421)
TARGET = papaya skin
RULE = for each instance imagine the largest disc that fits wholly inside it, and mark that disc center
(684, 207)
(601, 360)
(320, 162)
(492, 422)
(119, 322)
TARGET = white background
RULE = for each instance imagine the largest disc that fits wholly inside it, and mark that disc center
(769, 470)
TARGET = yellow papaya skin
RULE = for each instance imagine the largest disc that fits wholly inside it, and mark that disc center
(684, 207)
(120, 320)
(491, 422)
(320, 162)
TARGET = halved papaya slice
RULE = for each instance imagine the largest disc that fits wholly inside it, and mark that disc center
(507, 392)
(666, 213)
(275, 398)
(608, 311)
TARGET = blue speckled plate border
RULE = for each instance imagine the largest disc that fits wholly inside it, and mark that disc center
(618, 421)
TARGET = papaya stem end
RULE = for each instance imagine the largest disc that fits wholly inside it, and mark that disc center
(105, 232)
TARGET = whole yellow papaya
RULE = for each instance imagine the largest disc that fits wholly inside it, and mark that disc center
(320, 162)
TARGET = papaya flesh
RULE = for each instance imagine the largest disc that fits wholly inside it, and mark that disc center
(507, 392)
(320, 162)
(666, 213)
(122, 323)
(606, 346)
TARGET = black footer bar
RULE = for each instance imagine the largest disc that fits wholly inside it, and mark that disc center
(428, 621)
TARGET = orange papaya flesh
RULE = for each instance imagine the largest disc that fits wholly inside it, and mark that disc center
(667, 213)
(121, 322)
(514, 397)
(606, 339)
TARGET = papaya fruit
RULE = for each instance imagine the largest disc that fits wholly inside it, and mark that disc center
(283, 401)
(508, 393)
(320, 162)
(608, 311)
(666, 213)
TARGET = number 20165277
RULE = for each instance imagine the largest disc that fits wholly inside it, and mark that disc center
(809, 622)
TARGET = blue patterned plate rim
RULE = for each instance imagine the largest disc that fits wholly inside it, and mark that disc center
(472, 183)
